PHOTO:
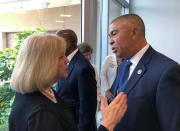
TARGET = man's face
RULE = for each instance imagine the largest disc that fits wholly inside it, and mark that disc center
(120, 39)
(68, 48)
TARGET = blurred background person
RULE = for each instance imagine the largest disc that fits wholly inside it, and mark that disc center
(109, 75)
(79, 89)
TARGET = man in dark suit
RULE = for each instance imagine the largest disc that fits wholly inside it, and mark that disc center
(153, 86)
(79, 88)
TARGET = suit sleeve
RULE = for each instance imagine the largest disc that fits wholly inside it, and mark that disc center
(59, 84)
(57, 87)
(97, 81)
(88, 99)
(168, 99)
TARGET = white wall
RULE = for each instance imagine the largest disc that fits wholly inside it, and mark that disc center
(162, 21)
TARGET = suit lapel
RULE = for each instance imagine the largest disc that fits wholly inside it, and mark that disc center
(139, 70)
(137, 74)
(70, 68)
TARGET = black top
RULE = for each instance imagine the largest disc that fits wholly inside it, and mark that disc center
(35, 112)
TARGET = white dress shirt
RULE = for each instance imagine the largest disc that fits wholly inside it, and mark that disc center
(70, 56)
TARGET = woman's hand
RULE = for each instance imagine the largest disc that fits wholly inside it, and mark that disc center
(109, 95)
(113, 113)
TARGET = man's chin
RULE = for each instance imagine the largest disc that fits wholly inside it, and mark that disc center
(115, 52)
(117, 55)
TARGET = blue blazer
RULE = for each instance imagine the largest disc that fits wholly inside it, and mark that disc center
(80, 92)
(153, 93)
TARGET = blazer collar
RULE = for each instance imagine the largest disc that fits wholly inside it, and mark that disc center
(72, 62)
(70, 56)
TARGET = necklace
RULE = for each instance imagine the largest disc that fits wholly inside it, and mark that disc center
(49, 94)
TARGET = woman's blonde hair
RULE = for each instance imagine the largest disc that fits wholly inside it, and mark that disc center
(37, 63)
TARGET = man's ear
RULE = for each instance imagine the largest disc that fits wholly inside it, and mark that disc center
(134, 30)
(135, 33)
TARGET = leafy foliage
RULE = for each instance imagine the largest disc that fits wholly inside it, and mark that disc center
(7, 62)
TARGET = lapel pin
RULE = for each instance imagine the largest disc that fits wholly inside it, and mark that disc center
(139, 71)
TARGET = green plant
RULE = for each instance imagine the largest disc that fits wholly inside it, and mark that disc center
(7, 62)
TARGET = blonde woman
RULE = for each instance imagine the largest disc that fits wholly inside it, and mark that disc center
(40, 63)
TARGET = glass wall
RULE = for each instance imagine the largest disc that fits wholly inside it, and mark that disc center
(19, 15)
(115, 10)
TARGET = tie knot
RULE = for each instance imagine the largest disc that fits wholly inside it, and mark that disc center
(127, 63)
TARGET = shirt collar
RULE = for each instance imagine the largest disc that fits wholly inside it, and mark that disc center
(70, 56)
(136, 58)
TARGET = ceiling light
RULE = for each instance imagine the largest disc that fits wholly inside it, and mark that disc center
(6, 1)
(59, 21)
(74, 2)
(63, 15)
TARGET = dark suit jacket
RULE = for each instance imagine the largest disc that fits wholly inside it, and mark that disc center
(153, 93)
(80, 92)
(35, 112)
